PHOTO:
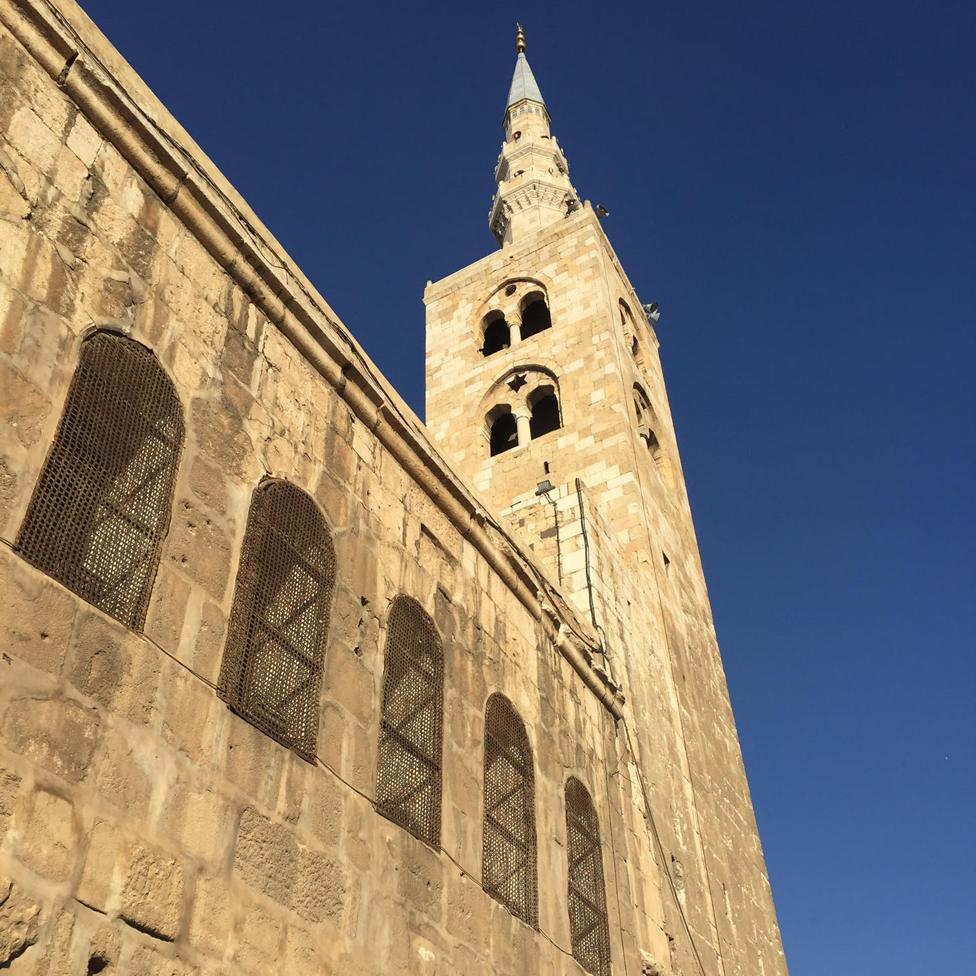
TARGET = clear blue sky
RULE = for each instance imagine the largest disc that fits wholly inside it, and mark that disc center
(795, 186)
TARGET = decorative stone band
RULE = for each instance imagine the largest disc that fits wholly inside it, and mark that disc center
(234, 238)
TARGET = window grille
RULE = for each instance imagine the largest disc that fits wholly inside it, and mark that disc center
(272, 666)
(408, 778)
(102, 502)
(508, 863)
(588, 924)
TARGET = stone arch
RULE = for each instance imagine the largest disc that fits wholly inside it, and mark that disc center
(408, 769)
(647, 425)
(507, 300)
(530, 394)
(271, 672)
(509, 856)
(101, 505)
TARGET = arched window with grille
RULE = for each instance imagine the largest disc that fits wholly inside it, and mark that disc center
(271, 671)
(408, 775)
(508, 859)
(588, 925)
(101, 506)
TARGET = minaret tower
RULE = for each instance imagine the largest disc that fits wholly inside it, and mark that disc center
(545, 390)
(532, 173)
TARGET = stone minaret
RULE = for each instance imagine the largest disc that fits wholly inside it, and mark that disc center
(545, 390)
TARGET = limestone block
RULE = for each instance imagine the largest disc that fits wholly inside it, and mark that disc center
(252, 761)
(319, 890)
(104, 867)
(199, 547)
(19, 921)
(207, 484)
(23, 407)
(152, 896)
(259, 937)
(350, 684)
(39, 614)
(59, 735)
(9, 786)
(199, 819)
(211, 916)
(167, 608)
(147, 961)
(209, 646)
(266, 856)
(221, 434)
(188, 724)
(120, 777)
(50, 839)
(115, 667)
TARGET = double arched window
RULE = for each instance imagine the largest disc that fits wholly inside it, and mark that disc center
(271, 671)
(589, 926)
(645, 417)
(518, 310)
(529, 408)
(508, 861)
(408, 777)
(102, 503)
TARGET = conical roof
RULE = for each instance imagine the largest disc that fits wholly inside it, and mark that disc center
(524, 84)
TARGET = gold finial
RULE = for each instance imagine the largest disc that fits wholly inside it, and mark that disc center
(519, 39)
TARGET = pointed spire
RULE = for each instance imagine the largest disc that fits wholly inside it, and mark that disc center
(524, 84)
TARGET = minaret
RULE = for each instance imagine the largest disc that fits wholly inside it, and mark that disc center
(532, 173)
(545, 390)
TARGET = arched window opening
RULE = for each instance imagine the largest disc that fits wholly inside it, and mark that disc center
(497, 336)
(101, 505)
(508, 862)
(408, 776)
(535, 316)
(545, 412)
(271, 671)
(588, 923)
(503, 434)
(642, 408)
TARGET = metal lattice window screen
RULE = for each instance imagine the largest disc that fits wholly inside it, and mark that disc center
(101, 505)
(408, 776)
(271, 671)
(508, 861)
(588, 924)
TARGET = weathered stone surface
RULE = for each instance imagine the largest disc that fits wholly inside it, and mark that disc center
(59, 735)
(152, 896)
(9, 785)
(120, 777)
(39, 615)
(104, 866)
(19, 921)
(200, 821)
(259, 937)
(199, 548)
(25, 407)
(188, 724)
(51, 838)
(266, 856)
(211, 921)
(110, 665)
(319, 892)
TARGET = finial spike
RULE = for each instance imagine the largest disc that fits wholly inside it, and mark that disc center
(519, 39)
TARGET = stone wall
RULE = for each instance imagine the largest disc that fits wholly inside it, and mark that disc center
(144, 827)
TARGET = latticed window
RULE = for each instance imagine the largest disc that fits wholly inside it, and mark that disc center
(272, 666)
(101, 505)
(408, 777)
(588, 925)
(508, 861)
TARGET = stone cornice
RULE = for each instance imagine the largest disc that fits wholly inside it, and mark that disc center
(64, 43)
